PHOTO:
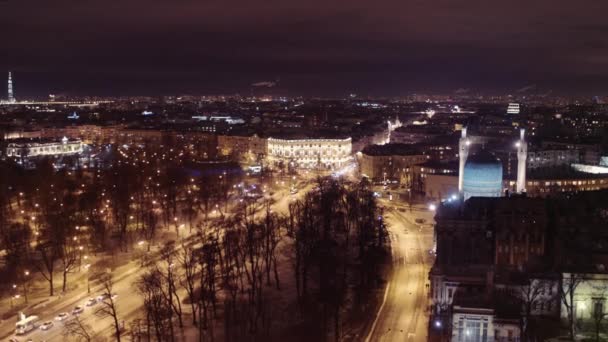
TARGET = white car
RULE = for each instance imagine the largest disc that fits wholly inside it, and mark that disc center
(91, 302)
(62, 316)
(46, 325)
(104, 296)
(77, 310)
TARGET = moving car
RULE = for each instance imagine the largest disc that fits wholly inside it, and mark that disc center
(104, 296)
(77, 310)
(91, 302)
(46, 325)
(62, 316)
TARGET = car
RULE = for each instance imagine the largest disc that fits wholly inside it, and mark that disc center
(77, 310)
(420, 220)
(105, 296)
(90, 302)
(13, 340)
(62, 316)
(46, 325)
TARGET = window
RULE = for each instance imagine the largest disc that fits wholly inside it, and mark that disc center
(460, 330)
(598, 306)
(449, 293)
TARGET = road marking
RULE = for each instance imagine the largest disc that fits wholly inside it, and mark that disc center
(371, 331)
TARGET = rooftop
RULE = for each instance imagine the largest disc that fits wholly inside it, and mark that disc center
(391, 149)
(21, 141)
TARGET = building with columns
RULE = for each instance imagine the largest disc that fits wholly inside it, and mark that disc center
(29, 148)
(310, 153)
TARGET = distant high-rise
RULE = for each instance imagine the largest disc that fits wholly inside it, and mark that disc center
(11, 95)
(513, 108)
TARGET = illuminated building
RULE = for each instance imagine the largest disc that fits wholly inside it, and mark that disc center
(483, 176)
(310, 153)
(242, 148)
(513, 108)
(437, 180)
(389, 162)
(551, 158)
(11, 94)
(592, 169)
(27, 148)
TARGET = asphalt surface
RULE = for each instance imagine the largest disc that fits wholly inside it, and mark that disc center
(403, 315)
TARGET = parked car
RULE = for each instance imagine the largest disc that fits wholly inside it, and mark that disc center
(46, 325)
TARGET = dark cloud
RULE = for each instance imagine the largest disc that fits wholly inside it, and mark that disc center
(315, 46)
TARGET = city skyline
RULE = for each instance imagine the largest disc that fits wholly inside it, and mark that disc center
(177, 171)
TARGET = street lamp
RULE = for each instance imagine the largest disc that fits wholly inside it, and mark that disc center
(80, 248)
(26, 279)
(87, 267)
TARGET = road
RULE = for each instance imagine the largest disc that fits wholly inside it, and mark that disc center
(127, 305)
(129, 302)
(403, 315)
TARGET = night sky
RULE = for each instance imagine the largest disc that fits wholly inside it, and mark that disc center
(315, 47)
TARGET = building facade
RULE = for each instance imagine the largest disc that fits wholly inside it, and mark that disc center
(310, 153)
(41, 147)
(551, 158)
(249, 149)
(389, 162)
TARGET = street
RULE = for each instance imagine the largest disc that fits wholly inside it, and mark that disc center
(403, 314)
(129, 301)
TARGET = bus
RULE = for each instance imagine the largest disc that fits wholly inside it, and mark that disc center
(26, 324)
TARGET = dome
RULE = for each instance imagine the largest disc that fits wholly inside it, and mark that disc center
(482, 176)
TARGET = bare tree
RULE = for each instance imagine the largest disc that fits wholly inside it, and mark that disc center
(46, 266)
(68, 258)
(530, 294)
(171, 280)
(188, 260)
(271, 231)
(78, 330)
(109, 305)
(158, 310)
(570, 281)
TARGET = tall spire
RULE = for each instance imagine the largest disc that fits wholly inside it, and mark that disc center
(463, 154)
(11, 95)
(522, 155)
